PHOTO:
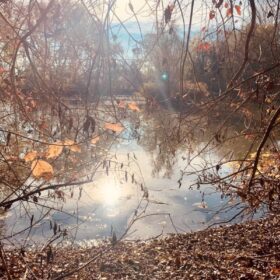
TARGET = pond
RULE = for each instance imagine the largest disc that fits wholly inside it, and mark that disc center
(138, 192)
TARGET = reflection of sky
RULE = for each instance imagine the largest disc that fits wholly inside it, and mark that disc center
(110, 201)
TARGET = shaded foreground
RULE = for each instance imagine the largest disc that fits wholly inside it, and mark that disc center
(245, 251)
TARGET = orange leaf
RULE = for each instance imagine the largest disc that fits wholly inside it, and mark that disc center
(54, 150)
(133, 106)
(72, 146)
(95, 140)
(275, 271)
(116, 127)
(30, 156)
(238, 9)
(42, 169)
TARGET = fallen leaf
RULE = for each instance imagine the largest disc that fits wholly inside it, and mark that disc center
(42, 169)
(116, 127)
(30, 156)
(12, 158)
(95, 140)
(2, 70)
(275, 271)
(54, 150)
(43, 125)
(201, 205)
(72, 146)
(33, 103)
(133, 107)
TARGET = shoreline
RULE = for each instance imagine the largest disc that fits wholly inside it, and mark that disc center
(250, 250)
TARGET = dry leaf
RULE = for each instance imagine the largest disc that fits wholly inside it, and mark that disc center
(203, 47)
(43, 125)
(229, 12)
(117, 127)
(33, 103)
(30, 156)
(42, 169)
(201, 205)
(211, 14)
(95, 140)
(122, 104)
(72, 146)
(238, 9)
(54, 150)
(133, 106)
(275, 271)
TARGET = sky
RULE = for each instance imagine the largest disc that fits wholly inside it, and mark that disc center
(141, 7)
(144, 8)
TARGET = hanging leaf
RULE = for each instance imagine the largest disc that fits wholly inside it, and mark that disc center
(226, 5)
(238, 9)
(270, 14)
(42, 169)
(89, 124)
(95, 140)
(229, 12)
(54, 150)
(168, 13)
(72, 146)
(116, 127)
(133, 107)
(30, 156)
(211, 14)
(219, 4)
(130, 6)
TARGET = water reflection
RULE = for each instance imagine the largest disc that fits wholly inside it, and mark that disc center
(140, 178)
(108, 191)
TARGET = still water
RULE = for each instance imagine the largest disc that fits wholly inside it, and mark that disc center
(138, 193)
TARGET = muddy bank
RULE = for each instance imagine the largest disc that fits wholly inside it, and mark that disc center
(246, 251)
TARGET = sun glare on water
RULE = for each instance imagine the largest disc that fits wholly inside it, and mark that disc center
(109, 191)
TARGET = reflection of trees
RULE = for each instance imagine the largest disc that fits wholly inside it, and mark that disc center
(159, 136)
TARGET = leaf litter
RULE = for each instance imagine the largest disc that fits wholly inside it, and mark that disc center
(242, 251)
